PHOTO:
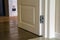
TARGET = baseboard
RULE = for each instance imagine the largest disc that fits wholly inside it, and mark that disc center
(57, 35)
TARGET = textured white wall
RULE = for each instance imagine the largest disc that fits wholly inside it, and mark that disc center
(11, 4)
(57, 16)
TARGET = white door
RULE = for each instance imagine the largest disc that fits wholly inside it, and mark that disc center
(28, 15)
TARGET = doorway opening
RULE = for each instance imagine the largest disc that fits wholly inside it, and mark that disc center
(13, 11)
(13, 8)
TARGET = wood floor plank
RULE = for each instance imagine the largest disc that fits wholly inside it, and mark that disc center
(9, 30)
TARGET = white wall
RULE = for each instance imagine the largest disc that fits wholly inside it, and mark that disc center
(57, 19)
(11, 4)
(58, 16)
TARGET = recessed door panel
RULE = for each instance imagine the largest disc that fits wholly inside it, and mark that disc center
(28, 15)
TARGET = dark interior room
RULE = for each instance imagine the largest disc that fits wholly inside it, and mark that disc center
(4, 8)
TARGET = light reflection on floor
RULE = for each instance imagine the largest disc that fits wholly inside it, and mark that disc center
(42, 38)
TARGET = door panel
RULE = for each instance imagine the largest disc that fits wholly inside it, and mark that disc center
(28, 15)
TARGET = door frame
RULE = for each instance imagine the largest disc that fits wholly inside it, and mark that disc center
(49, 28)
(50, 17)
